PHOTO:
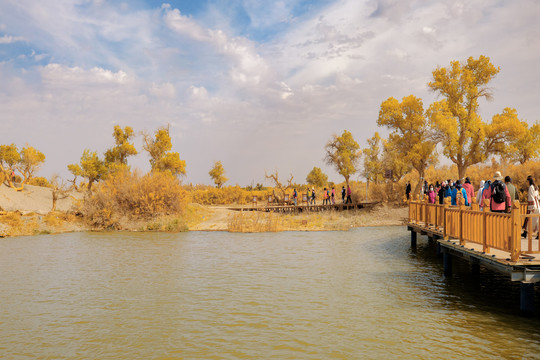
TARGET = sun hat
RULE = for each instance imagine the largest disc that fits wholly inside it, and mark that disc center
(497, 176)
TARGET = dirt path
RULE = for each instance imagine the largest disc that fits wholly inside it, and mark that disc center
(215, 218)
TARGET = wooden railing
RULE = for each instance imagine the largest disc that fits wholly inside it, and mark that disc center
(492, 230)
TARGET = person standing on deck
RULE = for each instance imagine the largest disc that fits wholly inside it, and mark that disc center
(349, 193)
(295, 197)
(533, 206)
(469, 189)
(459, 192)
(442, 193)
(343, 192)
(479, 192)
(432, 195)
(333, 195)
(313, 196)
(407, 190)
(498, 195)
(511, 188)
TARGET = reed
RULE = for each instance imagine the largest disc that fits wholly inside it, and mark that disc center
(255, 222)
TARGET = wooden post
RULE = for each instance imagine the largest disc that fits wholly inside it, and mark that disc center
(426, 202)
(445, 207)
(526, 300)
(515, 237)
(474, 205)
(485, 211)
(462, 207)
(447, 260)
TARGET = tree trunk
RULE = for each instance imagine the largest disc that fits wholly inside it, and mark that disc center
(461, 171)
(54, 198)
(418, 187)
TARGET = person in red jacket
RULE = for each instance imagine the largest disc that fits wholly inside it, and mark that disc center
(469, 189)
(495, 192)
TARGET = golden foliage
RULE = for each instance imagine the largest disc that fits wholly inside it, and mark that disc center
(217, 173)
(317, 178)
(226, 195)
(411, 135)
(119, 153)
(128, 195)
(455, 118)
(373, 166)
(26, 162)
(161, 159)
(39, 181)
(343, 152)
(91, 167)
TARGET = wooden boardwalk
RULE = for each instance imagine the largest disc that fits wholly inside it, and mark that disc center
(483, 238)
(306, 208)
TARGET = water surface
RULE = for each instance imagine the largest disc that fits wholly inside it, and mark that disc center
(361, 294)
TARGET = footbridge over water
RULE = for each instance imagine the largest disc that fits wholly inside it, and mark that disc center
(483, 238)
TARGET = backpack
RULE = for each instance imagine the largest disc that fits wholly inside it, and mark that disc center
(498, 193)
(459, 195)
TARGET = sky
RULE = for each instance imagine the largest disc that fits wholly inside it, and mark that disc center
(259, 85)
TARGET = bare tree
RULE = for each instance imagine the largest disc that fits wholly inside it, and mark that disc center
(277, 184)
(60, 189)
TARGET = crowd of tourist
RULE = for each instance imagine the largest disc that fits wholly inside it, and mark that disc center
(497, 193)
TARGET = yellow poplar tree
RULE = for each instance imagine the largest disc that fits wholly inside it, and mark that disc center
(411, 134)
(343, 152)
(217, 173)
(373, 166)
(31, 161)
(161, 159)
(316, 177)
(90, 167)
(513, 138)
(26, 162)
(459, 128)
(392, 160)
(117, 156)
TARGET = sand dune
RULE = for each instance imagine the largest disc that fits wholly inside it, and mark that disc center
(34, 199)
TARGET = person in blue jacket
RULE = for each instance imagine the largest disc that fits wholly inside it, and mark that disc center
(457, 192)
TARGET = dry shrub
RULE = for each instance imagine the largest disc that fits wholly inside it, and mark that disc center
(226, 195)
(39, 181)
(255, 222)
(52, 219)
(12, 219)
(127, 195)
(166, 224)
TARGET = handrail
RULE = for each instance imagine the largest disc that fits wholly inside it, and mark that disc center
(501, 231)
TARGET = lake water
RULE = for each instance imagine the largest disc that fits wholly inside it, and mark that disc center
(361, 294)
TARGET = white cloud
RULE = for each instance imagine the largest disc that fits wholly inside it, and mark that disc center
(163, 90)
(223, 93)
(60, 74)
(7, 39)
(246, 68)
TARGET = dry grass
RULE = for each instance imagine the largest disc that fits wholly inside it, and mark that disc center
(316, 221)
(255, 222)
(13, 220)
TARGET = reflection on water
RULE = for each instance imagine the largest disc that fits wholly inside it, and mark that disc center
(294, 295)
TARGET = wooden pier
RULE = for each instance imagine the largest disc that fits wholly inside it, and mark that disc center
(306, 208)
(483, 238)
